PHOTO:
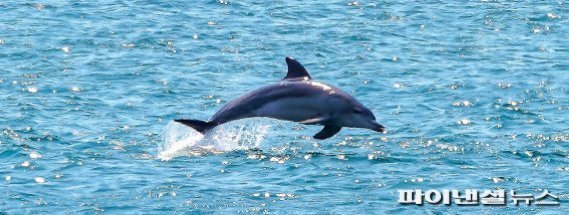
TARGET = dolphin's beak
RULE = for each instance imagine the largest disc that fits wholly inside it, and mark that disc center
(379, 128)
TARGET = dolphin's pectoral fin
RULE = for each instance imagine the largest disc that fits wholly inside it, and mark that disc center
(315, 120)
(327, 132)
(295, 69)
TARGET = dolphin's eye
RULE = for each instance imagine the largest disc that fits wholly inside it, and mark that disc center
(358, 111)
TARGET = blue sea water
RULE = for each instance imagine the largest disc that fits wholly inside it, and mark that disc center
(474, 94)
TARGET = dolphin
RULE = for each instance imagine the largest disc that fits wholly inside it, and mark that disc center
(296, 98)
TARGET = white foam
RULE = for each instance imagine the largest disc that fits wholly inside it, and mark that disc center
(180, 140)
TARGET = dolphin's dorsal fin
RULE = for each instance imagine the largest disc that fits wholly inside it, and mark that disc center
(295, 69)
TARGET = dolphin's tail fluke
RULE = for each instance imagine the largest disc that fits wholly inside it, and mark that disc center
(198, 125)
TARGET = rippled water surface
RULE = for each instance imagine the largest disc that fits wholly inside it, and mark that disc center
(474, 95)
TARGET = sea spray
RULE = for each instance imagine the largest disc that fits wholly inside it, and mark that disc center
(180, 140)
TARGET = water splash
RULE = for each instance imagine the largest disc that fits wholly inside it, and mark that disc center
(180, 140)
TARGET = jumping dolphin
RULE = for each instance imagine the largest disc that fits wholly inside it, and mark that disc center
(296, 98)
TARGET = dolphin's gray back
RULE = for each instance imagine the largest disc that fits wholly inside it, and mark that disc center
(247, 105)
